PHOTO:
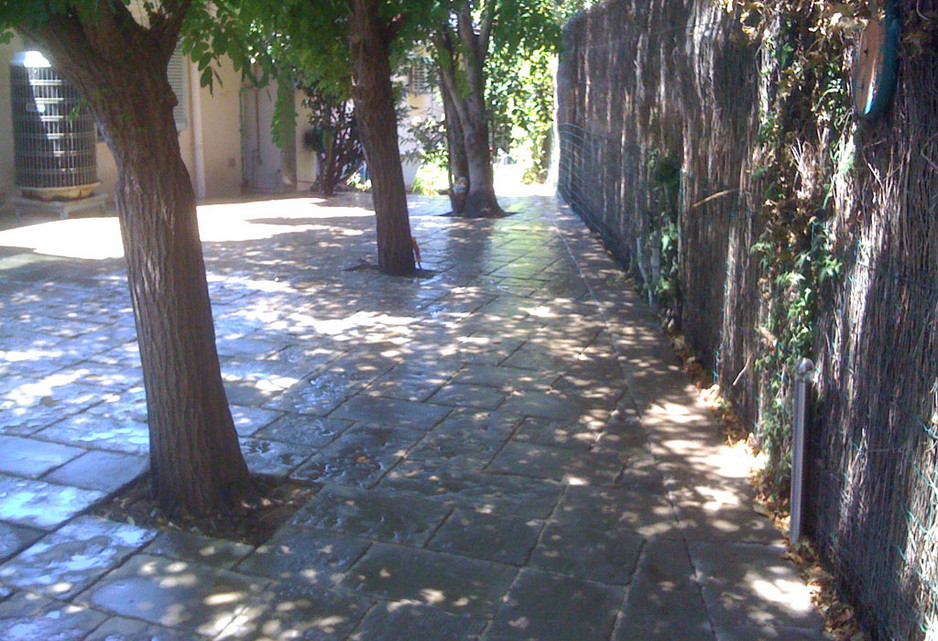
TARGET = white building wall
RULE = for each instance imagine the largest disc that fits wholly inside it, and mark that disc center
(221, 127)
(7, 170)
(420, 106)
(225, 122)
(306, 162)
(221, 130)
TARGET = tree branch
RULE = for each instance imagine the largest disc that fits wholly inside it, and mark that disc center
(467, 32)
(395, 26)
(167, 32)
(446, 60)
(111, 29)
(64, 40)
(489, 14)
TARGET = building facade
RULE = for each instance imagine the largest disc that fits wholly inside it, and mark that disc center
(224, 135)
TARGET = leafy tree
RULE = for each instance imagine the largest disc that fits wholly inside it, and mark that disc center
(465, 35)
(118, 62)
(520, 99)
(336, 43)
(334, 136)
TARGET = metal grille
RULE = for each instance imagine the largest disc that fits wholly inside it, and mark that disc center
(54, 135)
(420, 77)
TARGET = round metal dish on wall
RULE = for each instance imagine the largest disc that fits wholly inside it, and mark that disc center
(875, 63)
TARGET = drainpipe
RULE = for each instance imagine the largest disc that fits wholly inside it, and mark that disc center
(804, 373)
(198, 139)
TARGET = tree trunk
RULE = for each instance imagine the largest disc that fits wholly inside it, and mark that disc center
(328, 176)
(481, 200)
(468, 100)
(196, 463)
(456, 150)
(369, 41)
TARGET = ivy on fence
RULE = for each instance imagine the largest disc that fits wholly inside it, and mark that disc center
(712, 145)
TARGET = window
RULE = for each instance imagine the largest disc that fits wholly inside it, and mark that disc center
(420, 76)
(176, 71)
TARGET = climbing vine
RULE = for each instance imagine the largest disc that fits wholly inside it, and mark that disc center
(804, 117)
(664, 188)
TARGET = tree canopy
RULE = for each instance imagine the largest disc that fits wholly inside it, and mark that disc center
(319, 43)
(467, 35)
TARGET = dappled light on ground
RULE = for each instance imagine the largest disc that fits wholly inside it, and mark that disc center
(500, 449)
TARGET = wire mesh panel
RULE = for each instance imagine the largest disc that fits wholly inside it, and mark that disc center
(642, 81)
(54, 135)
(874, 476)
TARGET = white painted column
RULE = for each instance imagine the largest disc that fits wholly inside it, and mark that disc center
(198, 138)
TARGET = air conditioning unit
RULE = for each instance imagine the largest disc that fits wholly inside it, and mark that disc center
(54, 134)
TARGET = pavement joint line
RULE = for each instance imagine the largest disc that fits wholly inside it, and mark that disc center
(449, 307)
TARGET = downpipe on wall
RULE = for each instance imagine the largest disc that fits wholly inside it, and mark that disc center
(804, 374)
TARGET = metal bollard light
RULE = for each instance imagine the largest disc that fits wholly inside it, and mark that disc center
(803, 374)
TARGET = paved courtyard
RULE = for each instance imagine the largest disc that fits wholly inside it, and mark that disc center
(504, 450)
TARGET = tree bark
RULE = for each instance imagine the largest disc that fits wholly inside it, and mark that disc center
(469, 103)
(369, 41)
(120, 67)
(481, 200)
(456, 150)
(328, 175)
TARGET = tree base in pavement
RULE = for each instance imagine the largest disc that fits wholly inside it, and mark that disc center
(252, 521)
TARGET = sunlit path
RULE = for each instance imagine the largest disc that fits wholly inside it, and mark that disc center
(503, 449)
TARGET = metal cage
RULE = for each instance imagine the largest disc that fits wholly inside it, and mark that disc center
(54, 135)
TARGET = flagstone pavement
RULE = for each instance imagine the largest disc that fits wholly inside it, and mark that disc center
(504, 449)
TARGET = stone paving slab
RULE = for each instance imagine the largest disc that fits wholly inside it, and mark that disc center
(186, 596)
(15, 539)
(543, 431)
(100, 470)
(299, 555)
(406, 622)
(485, 536)
(635, 509)
(408, 382)
(186, 546)
(377, 515)
(547, 607)
(287, 611)
(102, 430)
(27, 617)
(121, 629)
(300, 429)
(751, 586)
(604, 556)
(42, 505)
(66, 562)
(560, 464)
(361, 456)
(502, 495)
(389, 411)
(273, 458)
(32, 459)
(505, 449)
(455, 584)
(664, 599)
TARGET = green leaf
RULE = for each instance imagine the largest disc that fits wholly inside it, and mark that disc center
(207, 77)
